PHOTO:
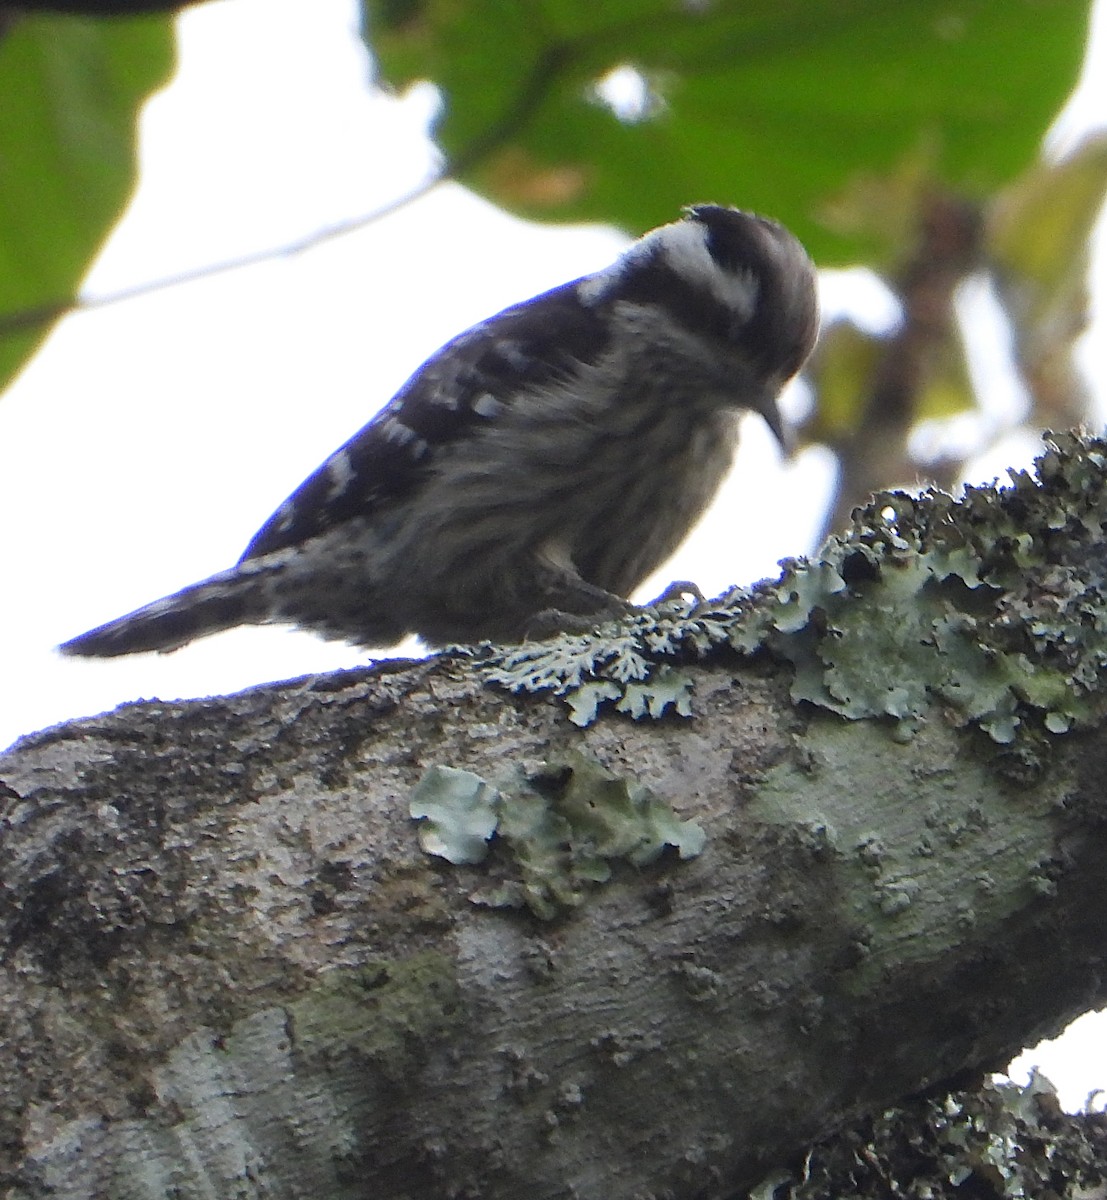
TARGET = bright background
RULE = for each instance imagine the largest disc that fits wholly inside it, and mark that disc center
(148, 440)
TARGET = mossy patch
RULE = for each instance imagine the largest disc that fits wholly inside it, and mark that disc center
(563, 828)
(380, 1012)
(992, 606)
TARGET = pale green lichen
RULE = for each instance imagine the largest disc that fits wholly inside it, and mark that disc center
(992, 606)
(999, 1140)
(458, 811)
(563, 828)
(616, 662)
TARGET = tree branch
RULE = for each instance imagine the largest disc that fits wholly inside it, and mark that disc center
(33, 318)
(874, 453)
(230, 959)
(227, 954)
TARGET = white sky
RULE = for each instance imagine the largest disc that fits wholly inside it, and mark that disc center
(147, 441)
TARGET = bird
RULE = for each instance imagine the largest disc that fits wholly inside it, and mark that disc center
(535, 469)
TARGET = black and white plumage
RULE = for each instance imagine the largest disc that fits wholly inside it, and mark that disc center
(539, 465)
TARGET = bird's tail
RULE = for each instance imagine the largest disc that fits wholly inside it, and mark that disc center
(233, 597)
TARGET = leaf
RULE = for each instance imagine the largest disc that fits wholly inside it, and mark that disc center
(70, 92)
(783, 106)
(844, 359)
(1040, 226)
(1038, 238)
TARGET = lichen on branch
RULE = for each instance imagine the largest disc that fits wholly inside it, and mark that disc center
(992, 605)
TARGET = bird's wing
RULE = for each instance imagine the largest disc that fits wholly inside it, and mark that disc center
(463, 386)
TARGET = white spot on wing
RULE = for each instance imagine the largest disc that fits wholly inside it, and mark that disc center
(286, 517)
(593, 289)
(486, 405)
(340, 474)
(399, 434)
(512, 353)
(396, 432)
(445, 397)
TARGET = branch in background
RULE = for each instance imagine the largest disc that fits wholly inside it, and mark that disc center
(873, 454)
(33, 318)
(546, 70)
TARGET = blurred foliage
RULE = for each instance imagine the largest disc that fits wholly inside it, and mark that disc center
(1037, 239)
(900, 137)
(904, 138)
(1029, 244)
(70, 92)
(788, 107)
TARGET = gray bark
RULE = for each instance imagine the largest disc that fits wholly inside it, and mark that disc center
(230, 969)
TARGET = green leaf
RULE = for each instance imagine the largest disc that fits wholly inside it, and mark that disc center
(790, 107)
(1038, 238)
(70, 92)
(845, 358)
(1039, 228)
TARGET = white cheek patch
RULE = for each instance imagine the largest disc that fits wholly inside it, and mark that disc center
(684, 247)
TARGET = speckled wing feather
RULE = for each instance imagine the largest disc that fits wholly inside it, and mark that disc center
(463, 385)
